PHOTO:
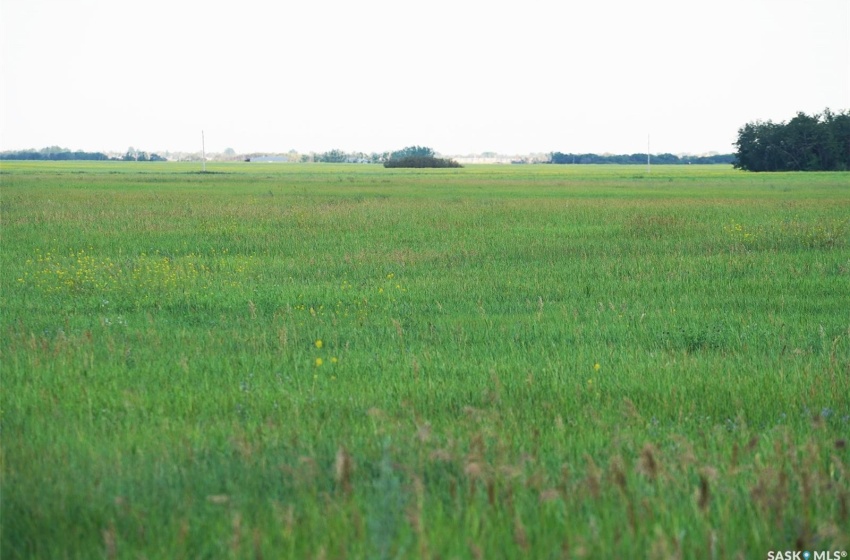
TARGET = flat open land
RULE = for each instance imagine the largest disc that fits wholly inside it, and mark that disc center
(346, 361)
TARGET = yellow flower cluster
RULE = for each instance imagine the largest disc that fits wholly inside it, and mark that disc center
(794, 233)
(318, 362)
(739, 234)
(140, 279)
(75, 273)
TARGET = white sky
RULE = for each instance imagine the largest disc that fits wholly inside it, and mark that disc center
(459, 76)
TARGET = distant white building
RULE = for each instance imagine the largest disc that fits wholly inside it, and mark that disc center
(463, 160)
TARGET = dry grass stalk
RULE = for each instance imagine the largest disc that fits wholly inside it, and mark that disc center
(565, 549)
(423, 432)
(307, 471)
(617, 468)
(183, 532)
(549, 495)
(593, 480)
(752, 444)
(343, 469)
(630, 411)
(564, 481)
(122, 504)
(707, 476)
(258, 548)
(537, 480)
(110, 542)
(475, 550)
(770, 492)
(242, 446)
(236, 538)
(289, 520)
(286, 517)
(473, 470)
(559, 423)
(476, 445)
(712, 545)
(520, 536)
(704, 496)
(663, 548)
(508, 498)
(648, 463)
(218, 499)
(415, 516)
(510, 472)
(442, 455)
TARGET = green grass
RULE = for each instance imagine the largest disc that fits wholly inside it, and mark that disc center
(541, 360)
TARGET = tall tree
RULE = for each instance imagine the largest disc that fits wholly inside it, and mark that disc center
(818, 142)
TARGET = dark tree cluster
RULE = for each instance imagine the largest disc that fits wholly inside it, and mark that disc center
(818, 142)
(55, 153)
(418, 157)
(52, 154)
(638, 159)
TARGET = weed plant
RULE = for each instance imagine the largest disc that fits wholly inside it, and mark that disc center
(319, 361)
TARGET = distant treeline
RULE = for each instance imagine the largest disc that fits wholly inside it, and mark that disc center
(55, 153)
(411, 156)
(53, 156)
(638, 159)
(805, 143)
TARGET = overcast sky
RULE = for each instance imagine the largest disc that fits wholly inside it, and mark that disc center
(459, 76)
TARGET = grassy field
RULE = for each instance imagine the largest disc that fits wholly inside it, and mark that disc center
(310, 361)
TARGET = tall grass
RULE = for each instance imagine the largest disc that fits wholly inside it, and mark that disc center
(349, 361)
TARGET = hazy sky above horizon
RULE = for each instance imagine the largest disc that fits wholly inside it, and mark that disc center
(460, 76)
